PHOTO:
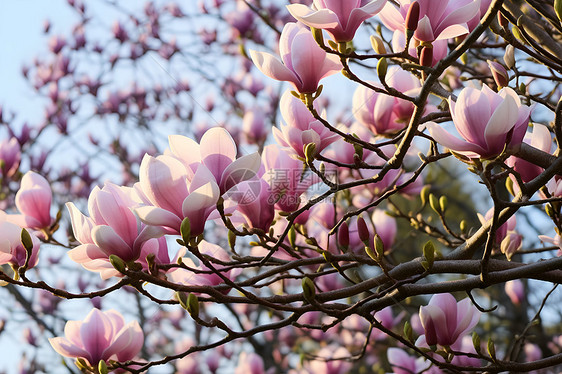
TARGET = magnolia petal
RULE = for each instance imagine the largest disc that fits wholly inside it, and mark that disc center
(112, 244)
(320, 19)
(272, 67)
(155, 216)
(244, 168)
(444, 138)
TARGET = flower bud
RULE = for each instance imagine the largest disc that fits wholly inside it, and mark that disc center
(382, 68)
(502, 21)
(413, 16)
(308, 289)
(185, 230)
(491, 349)
(379, 246)
(117, 263)
(102, 367)
(443, 202)
(378, 45)
(363, 230)
(434, 203)
(558, 9)
(408, 332)
(193, 306)
(424, 194)
(309, 152)
(343, 235)
(509, 56)
(429, 253)
(501, 77)
(426, 56)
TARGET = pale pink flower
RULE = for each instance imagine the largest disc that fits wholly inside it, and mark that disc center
(385, 227)
(249, 363)
(285, 177)
(556, 241)
(33, 201)
(402, 363)
(488, 122)
(437, 19)
(340, 19)
(506, 237)
(254, 126)
(101, 336)
(301, 128)
(540, 139)
(444, 320)
(12, 250)
(10, 157)
(385, 114)
(304, 62)
(331, 361)
(515, 290)
(255, 202)
(112, 228)
(217, 151)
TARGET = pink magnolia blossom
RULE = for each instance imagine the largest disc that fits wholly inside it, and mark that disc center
(10, 157)
(301, 128)
(255, 202)
(507, 238)
(331, 361)
(249, 363)
(217, 151)
(340, 19)
(444, 320)
(385, 227)
(402, 363)
(540, 139)
(113, 229)
(12, 250)
(440, 47)
(515, 290)
(101, 336)
(488, 122)
(437, 19)
(384, 114)
(286, 179)
(556, 241)
(304, 62)
(33, 201)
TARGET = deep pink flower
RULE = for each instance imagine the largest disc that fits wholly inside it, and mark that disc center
(443, 19)
(301, 128)
(488, 122)
(444, 320)
(340, 19)
(33, 201)
(102, 336)
(304, 62)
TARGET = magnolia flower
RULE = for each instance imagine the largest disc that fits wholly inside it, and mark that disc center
(113, 229)
(506, 237)
(217, 152)
(285, 177)
(515, 290)
(556, 241)
(540, 139)
(10, 157)
(438, 20)
(488, 122)
(33, 200)
(385, 114)
(249, 363)
(330, 360)
(301, 128)
(340, 19)
(304, 62)
(444, 320)
(255, 202)
(12, 250)
(402, 363)
(102, 336)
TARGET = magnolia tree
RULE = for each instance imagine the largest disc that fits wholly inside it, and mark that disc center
(179, 210)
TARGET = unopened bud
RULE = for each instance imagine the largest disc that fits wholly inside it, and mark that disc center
(193, 306)
(182, 298)
(26, 241)
(117, 263)
(382, 68)
(343, 235)
(363, 230)
(443, 202)
(231, 239)
(424, 194)
(429, 253)
(318, 37)
(426, 56)
(413, 16)
(102, 367)
(476, 342)
(408, 332)
(549, 210)
(378, 45)
(462, 226)
(185, 230)
(379, 246)
(369, 251)
(517, 33)
(509, 186)
(499, 73)
(502, 21)
(509, 56)
(308, 289)
(434, 203)
(82, 364)
(309, 152)
(292, 236)
(491, 349)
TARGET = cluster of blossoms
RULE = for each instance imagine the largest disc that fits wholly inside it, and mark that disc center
(198, 188)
